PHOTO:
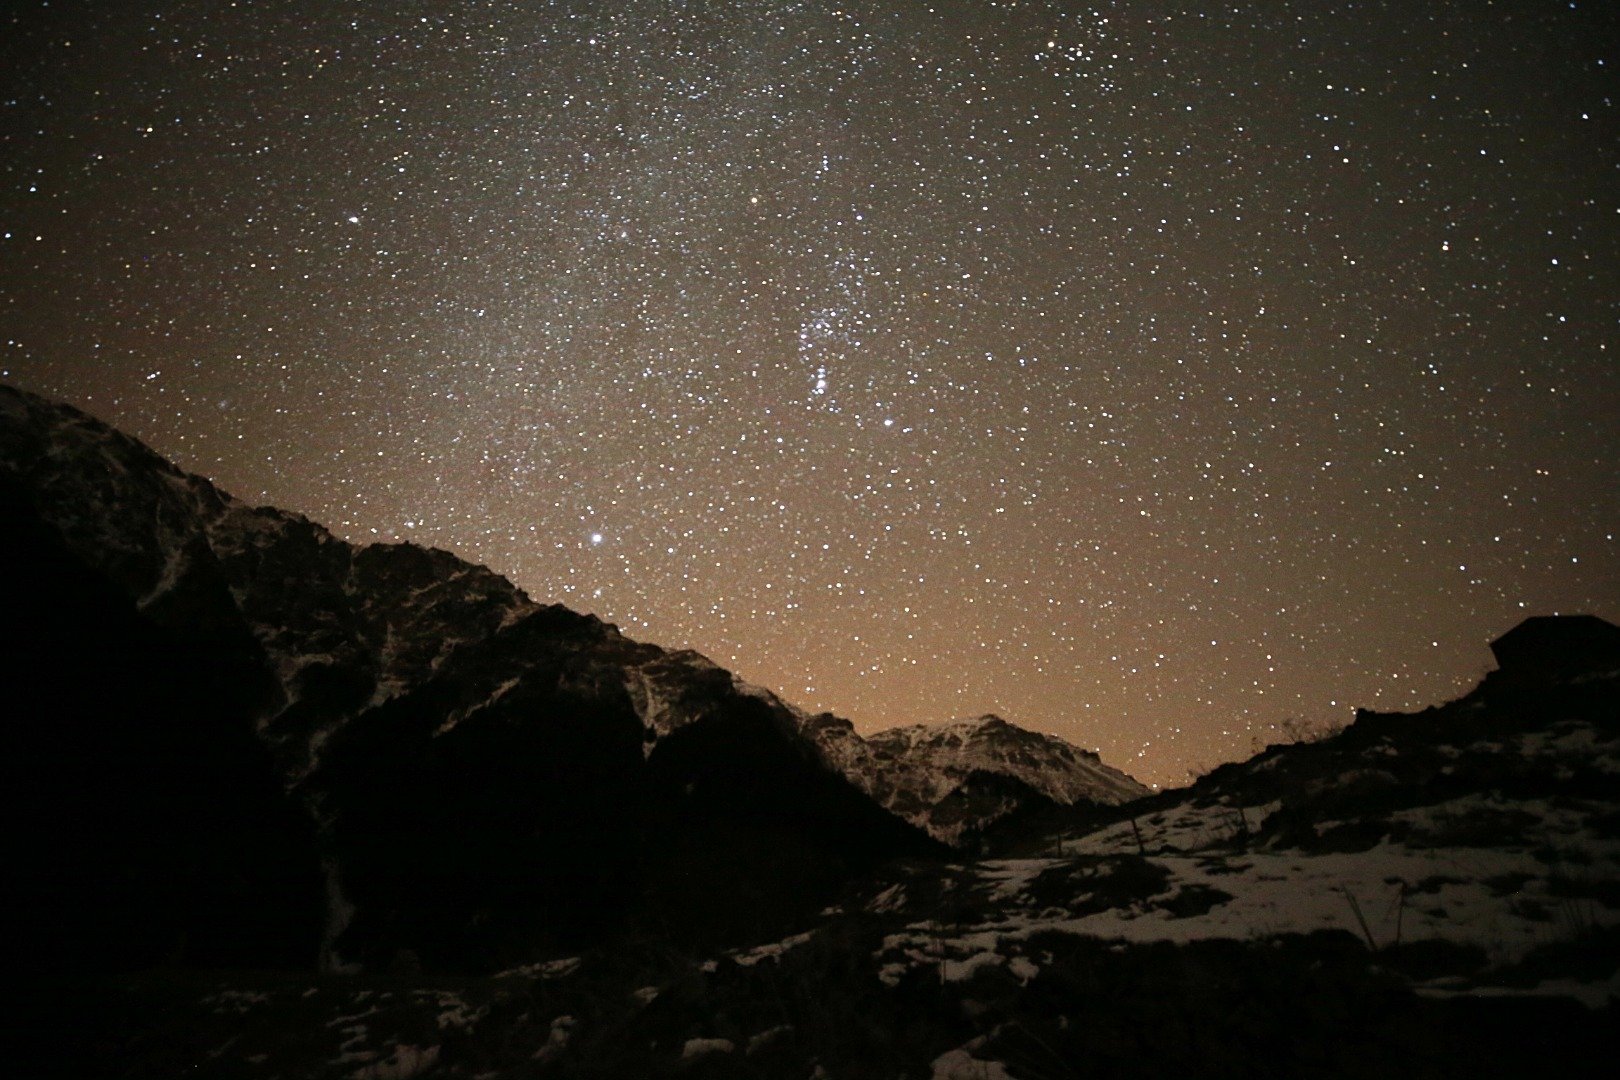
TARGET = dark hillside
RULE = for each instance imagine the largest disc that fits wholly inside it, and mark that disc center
(148, 824)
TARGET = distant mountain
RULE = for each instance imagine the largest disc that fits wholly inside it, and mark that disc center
(451, 757)
(958, 779)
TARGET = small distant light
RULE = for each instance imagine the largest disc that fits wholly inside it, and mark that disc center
(596, 538)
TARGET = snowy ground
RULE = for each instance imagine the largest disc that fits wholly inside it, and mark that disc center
(1507, 900)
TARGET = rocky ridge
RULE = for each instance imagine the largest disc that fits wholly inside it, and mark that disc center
(345, 628)
(346, 657)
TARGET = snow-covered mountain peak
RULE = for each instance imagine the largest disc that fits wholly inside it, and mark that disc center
(960, 776)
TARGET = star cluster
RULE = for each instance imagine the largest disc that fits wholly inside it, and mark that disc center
(1157, 376)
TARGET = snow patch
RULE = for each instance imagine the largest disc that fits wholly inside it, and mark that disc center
(545, 969)
(1023, 969)
(562, 1029)
(773, 951)
(963, 970)
(891, 899)
(960, 1064)
(696, 1048)
(406, 1062)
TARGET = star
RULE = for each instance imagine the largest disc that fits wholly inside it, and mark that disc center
(1199, 327)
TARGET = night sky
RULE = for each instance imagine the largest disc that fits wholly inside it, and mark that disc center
(1147, 375)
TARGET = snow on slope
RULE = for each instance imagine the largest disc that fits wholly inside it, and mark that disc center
(1486, 832)
(1503, 900)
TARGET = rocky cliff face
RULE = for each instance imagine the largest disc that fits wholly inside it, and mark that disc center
(482, 776)
(146, 823)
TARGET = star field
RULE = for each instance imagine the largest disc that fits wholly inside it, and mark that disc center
(1147, 375)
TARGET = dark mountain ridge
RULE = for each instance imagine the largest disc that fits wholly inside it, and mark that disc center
(461, 756)
(236, 742)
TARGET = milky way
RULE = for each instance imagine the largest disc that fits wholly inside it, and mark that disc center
(1146, 375)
